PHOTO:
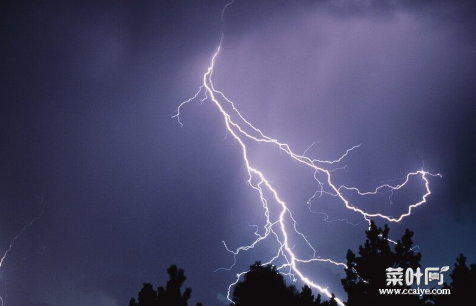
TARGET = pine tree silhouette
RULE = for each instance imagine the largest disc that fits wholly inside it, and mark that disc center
(264, 285)
(171, 295)
(365, 272)
(462, 285)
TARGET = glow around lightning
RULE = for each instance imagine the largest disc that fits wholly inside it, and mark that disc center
(279, 227)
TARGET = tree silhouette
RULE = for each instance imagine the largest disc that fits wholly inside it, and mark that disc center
(264, 285)
(171, 295)
(307, 298)
(364, 276)
(147, 296)
(331, 302)
(365, 272)
(462, 286)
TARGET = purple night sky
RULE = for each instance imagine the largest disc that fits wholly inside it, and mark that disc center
(120, 190)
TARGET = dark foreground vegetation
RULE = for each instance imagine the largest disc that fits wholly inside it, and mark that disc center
(364, 276)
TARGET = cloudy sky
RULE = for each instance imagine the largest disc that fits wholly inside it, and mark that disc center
(118, 190)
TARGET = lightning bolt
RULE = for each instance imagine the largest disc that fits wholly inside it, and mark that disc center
(12, 243)
(279, 227)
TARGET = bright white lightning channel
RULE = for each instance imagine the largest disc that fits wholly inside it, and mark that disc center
(279, 228)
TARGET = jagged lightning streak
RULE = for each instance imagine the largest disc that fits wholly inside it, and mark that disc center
(280, 227)
(12, 243)
(10, 247)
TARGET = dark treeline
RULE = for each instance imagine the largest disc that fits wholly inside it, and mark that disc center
(171, 295)
(364, 276)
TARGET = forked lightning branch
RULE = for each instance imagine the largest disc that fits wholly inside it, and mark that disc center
(278, 227)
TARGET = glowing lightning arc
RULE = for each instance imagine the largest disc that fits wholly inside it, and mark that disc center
(242, 130)
(10, 247)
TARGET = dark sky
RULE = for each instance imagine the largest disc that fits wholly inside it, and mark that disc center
(121, 191)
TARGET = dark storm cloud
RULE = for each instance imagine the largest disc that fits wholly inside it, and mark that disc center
(397, 78)
(88, 90)
(423, 52)
(22, 297)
